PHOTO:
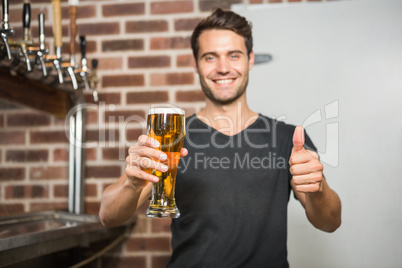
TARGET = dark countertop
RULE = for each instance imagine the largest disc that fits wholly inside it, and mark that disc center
(31, 235)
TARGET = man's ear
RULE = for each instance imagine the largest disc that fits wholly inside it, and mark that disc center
(251, 60)
(195, 66)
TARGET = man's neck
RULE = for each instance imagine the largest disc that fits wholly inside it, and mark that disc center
(228, 119)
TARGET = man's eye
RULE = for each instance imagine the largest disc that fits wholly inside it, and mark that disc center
(234, 56)
(209, 58)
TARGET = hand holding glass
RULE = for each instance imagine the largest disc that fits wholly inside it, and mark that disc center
(167, 126)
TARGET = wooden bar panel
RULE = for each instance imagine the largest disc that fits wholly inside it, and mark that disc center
(35, 94)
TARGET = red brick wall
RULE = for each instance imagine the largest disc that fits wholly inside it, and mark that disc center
(144, 57)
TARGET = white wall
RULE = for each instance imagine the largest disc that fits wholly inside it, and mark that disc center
(341, 60)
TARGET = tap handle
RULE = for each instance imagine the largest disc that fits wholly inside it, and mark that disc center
(94, 64)
(41, 19)
(6, 18)
(26, 15)
(57, 24)
(83, 42)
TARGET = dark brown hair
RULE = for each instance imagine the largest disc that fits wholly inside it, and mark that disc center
(223, 20)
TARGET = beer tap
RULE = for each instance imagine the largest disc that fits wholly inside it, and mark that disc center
(84, 67)
(6, 30)
(26, 41)
(40, 51)
(73, 33)
(56, 60)
(93, 79)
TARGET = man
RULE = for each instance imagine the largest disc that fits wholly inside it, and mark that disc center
(237, 168)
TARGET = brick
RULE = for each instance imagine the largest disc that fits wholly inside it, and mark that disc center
(48, 173)
(83, 12)
(256, 2)
(90, 154)
(92, 208)
(15, 192)
(35, 30)
(91, 47)
(92, 116)
(147, 97)
(123, 45)
(124, 116)
(133, 134)
(1, 120)
(166, 79)
(161, 226)
(114, 153)
(107, 98)
(48, 137)
(106, 28)
(27, 120)
(185, 61)
(123, 9)
(276, 1)
(9, 209)
(45, 206)
(12, 174)
(60, 155)
(159, 261)
(169, 7)
(13, 137)
(186, 24)
(22, 191)
(102, 135)
(124, 261)
(91, 190)
(208, 5)
(148, 244)
(123, 80)
(60, 191)
(149, 62)
(144, 26)
(190, 96)
(110, 63)
(170, 43)
(104, 171)
(27, 155)
(39, 191)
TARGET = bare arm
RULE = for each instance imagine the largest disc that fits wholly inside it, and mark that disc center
(322, 204)
(121, 199)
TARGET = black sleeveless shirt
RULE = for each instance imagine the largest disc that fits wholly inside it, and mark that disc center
(233, 192)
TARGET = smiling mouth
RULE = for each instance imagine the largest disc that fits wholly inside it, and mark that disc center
(224, 81)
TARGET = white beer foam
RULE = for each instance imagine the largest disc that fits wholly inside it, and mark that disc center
(166, 110)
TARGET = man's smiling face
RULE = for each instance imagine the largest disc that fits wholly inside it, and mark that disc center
(223, 65)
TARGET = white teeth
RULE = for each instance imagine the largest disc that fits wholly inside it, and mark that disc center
(224, 81)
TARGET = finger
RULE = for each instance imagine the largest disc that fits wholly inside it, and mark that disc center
(298, 139)
(306, 168)
(302, 157)
(133, 172)
(311, 178)
(146, 151)
(308, 188)
(148, 141)
(183, 152)
(145, 163)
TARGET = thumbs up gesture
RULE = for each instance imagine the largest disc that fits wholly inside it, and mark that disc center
(305, 166)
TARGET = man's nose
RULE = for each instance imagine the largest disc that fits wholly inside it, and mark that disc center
(223, 66)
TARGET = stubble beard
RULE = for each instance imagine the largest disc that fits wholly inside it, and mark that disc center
(210, 95)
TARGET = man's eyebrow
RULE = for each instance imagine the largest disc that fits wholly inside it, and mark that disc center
(214, 53)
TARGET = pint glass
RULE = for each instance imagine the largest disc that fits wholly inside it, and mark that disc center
(166, 125)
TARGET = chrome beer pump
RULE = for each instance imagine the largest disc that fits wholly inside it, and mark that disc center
(23, 56)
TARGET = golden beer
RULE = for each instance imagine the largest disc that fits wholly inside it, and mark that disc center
(166, 125)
